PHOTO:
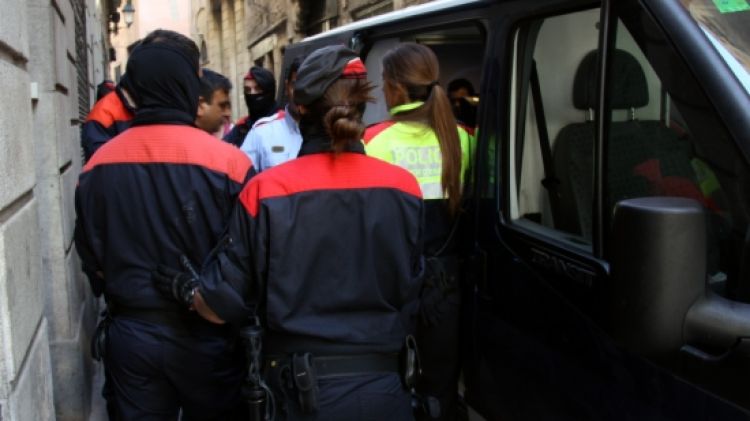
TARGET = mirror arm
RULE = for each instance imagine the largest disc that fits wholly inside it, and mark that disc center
(704, 356)
(716, 322)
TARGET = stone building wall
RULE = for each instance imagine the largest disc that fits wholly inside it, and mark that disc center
(46, 310)
(239, 33)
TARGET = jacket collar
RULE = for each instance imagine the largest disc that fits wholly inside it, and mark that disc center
(410, 106)
(313, 144)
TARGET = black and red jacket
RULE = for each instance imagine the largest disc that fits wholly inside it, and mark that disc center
(110, 116)
(147, 196)
(328, 249)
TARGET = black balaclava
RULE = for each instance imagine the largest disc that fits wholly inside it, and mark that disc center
(261, 105)
(164, 84)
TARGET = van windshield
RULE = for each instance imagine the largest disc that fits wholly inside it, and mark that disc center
(727, 25)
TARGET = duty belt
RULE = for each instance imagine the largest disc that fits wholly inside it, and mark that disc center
(298, 373)
(344, 365)
(179, 320)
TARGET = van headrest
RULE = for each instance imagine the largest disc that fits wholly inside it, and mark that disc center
(630, 87)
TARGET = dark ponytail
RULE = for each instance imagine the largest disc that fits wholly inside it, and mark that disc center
(416, 68)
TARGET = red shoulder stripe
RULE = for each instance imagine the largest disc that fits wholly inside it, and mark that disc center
(263, 121)
(469, 130)
(326, 171)
(108, 110)
(169, 144)
(375, 129)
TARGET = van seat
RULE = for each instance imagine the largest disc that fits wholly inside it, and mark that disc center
(645, 158)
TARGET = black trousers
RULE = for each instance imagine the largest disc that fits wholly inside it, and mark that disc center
(156, 371)
(365, 397)
(438, 340)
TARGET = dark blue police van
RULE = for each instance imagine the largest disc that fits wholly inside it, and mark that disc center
(606, 241)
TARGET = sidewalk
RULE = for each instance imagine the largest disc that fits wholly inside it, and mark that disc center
(98, 407)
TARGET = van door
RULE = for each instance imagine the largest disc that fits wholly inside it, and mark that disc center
(584, 107)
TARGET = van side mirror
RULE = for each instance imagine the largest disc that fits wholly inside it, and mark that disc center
(658, 256)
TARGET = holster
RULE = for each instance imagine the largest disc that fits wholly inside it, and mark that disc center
(305, 382)
(99, 339)
(410, 363)
(410, 372)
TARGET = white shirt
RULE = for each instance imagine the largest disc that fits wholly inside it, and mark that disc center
(272, 140)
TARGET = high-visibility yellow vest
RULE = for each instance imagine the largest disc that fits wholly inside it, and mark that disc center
(414, 147)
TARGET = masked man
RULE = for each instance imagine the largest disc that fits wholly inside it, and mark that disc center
(260, 89)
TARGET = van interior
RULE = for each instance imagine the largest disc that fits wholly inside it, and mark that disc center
(460, 51)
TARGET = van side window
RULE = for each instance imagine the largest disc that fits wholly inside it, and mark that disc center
(664, 138)
(553, 129)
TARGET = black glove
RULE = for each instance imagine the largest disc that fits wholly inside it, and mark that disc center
(176, 285)
(440, 296)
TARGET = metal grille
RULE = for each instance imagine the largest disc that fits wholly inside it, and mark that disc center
(82, 59)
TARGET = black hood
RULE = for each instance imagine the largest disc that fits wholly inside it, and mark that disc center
(125, 83)
(264, 78)
(164, 85)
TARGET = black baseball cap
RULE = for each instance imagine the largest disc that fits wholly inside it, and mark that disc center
(323, 67)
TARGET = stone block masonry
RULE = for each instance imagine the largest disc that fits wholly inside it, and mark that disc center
(47, 313)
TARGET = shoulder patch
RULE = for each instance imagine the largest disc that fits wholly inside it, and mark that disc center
(375, 129)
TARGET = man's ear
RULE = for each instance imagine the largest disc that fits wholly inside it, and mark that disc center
(302, 109)
(202, 105)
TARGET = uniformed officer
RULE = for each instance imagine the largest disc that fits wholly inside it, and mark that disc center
(259, 87)
(110, 116)
(423, 137)
(276, 139)
(325, 249)
(161, 189)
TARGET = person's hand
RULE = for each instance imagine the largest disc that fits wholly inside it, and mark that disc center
(176, 285)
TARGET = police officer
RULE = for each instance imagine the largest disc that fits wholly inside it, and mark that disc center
(110, 116)
(276, 139)
(463, 99)
(325, 249)
(423, 137)
(259, 87)
(161, 187)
